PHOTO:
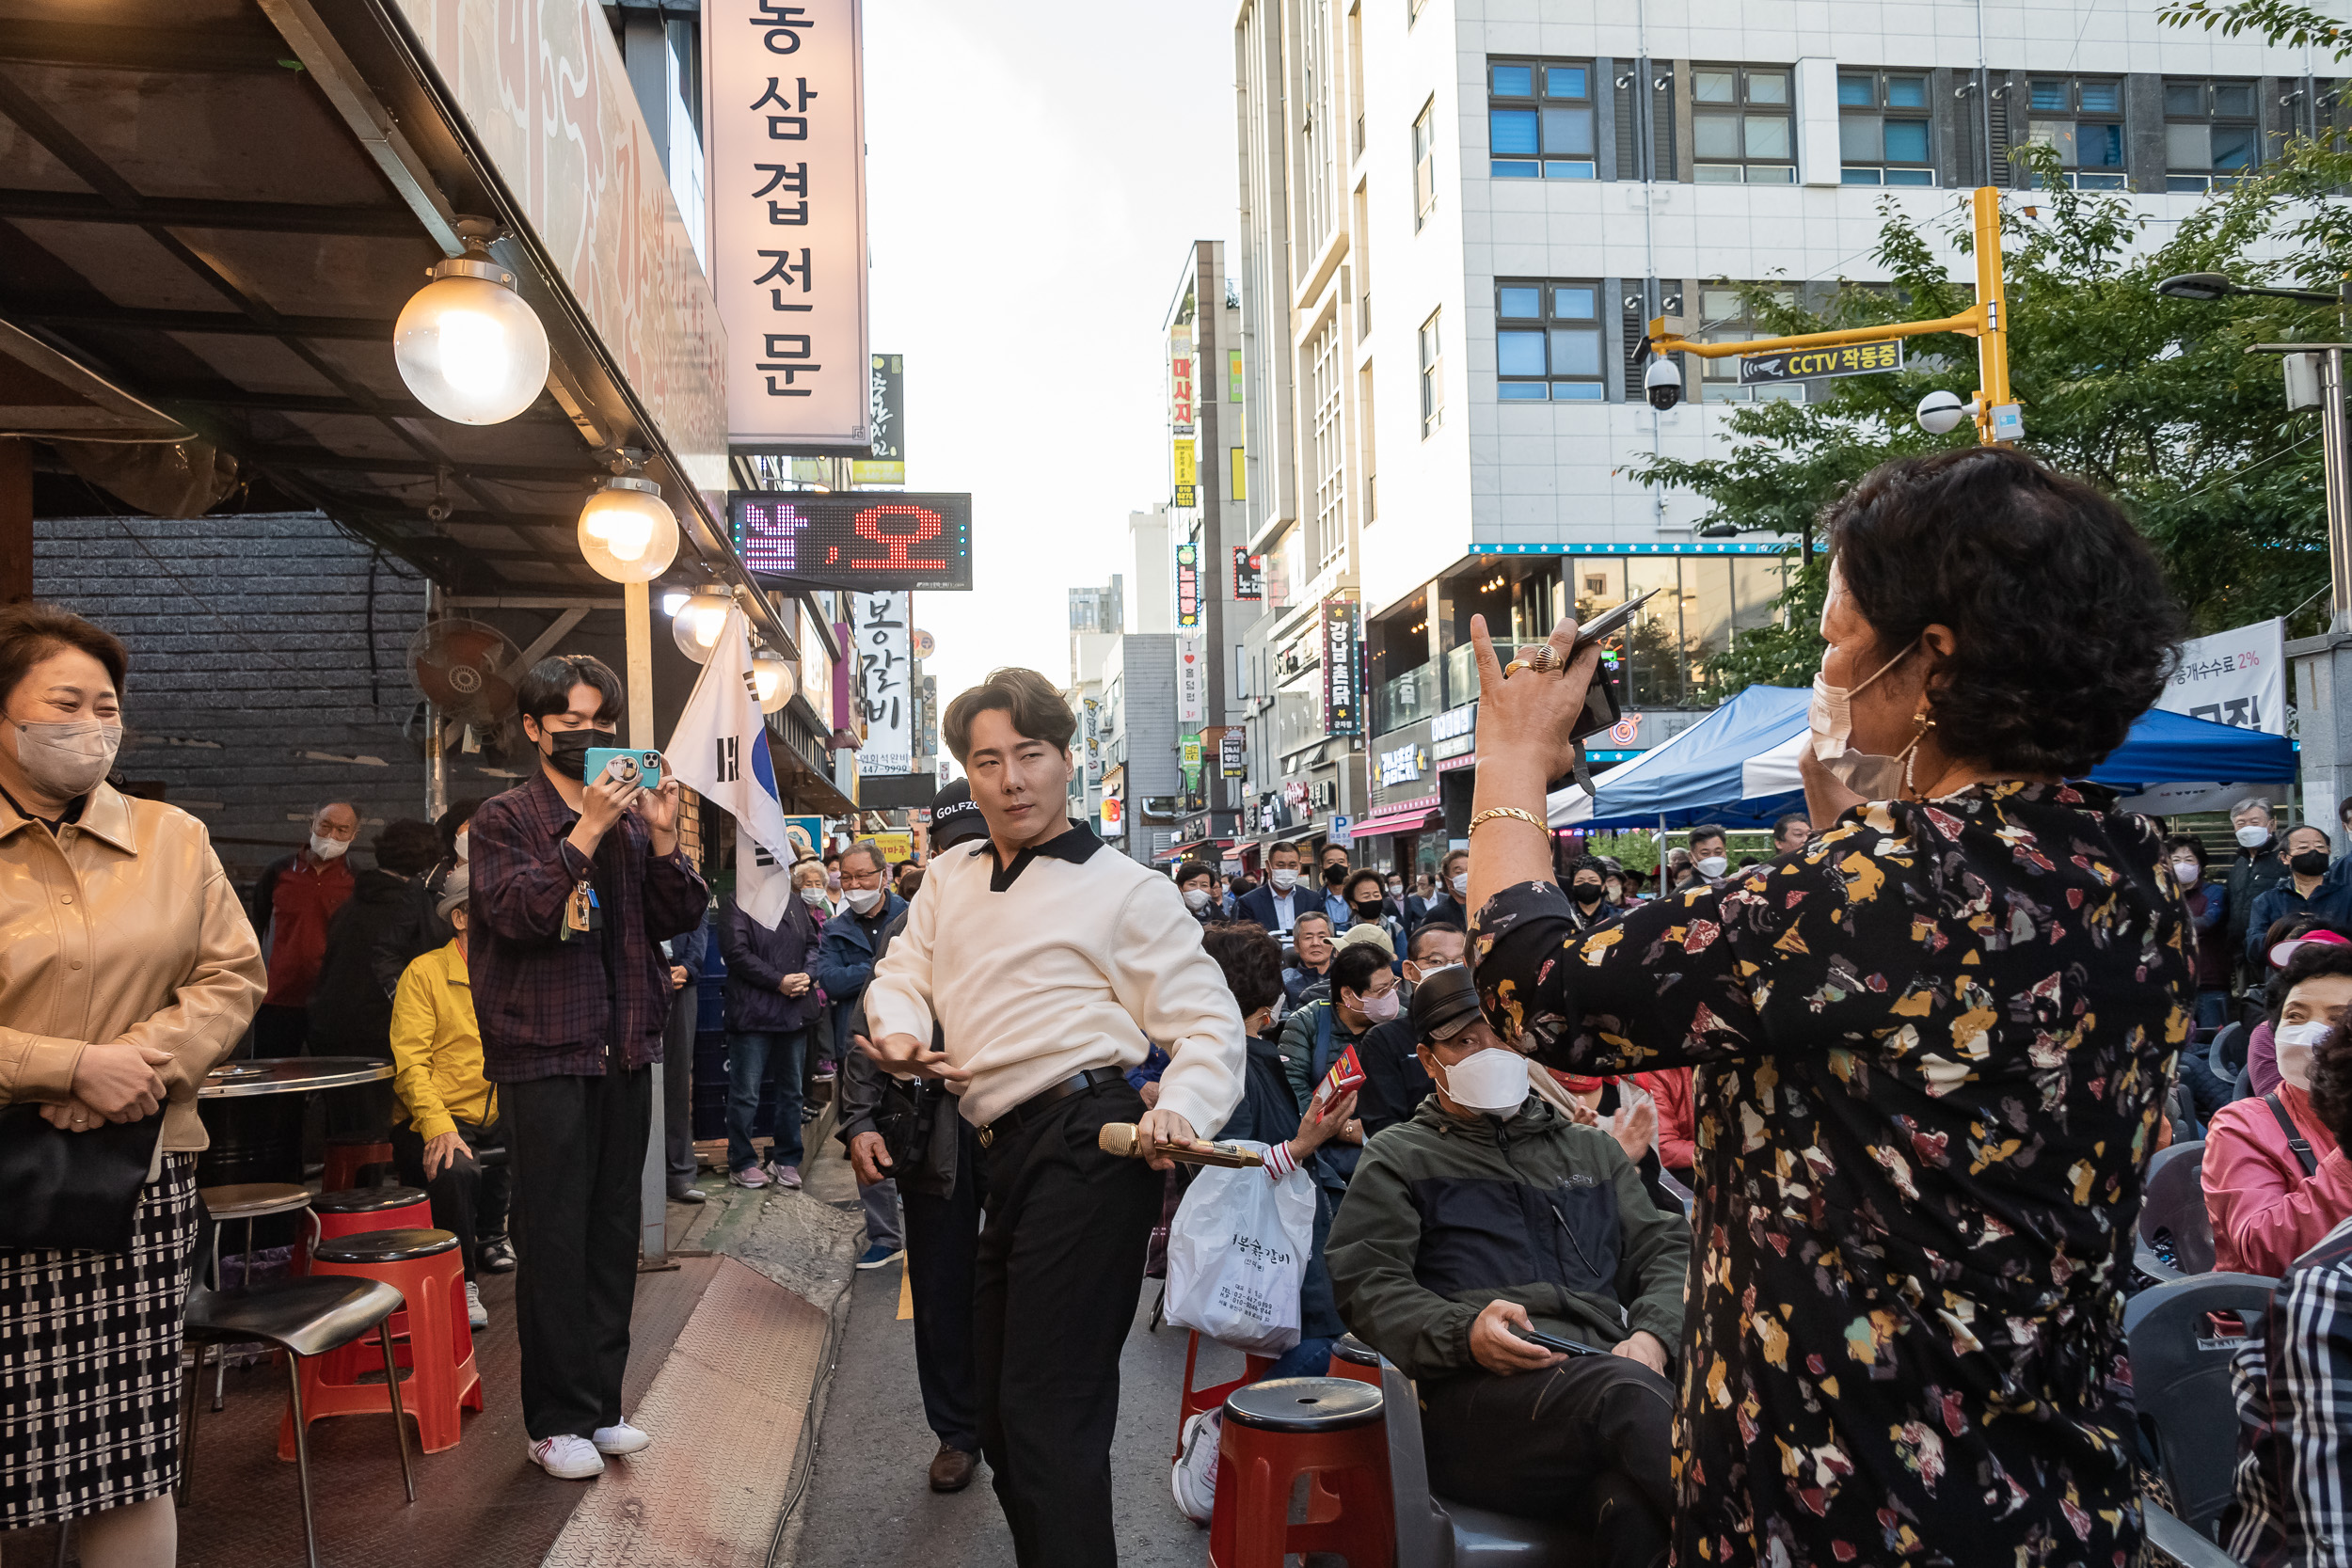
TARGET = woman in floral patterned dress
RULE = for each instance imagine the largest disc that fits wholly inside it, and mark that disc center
(1931, 1046)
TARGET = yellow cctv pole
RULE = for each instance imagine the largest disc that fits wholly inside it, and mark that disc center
(1997, 416)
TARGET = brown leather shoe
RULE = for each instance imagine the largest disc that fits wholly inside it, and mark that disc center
(951, 1469)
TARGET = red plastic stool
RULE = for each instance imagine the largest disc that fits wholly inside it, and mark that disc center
(346, 1152)
(362, 1209)
(1194, 1400)
(424, 1267)
(1327, 1428)
(1352, 1357)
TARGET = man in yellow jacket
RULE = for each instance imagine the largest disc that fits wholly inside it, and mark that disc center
(448, 1111)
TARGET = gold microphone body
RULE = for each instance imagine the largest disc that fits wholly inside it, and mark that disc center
(1119, 1137)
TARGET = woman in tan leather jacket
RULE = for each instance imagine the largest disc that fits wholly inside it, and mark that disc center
(128, 971)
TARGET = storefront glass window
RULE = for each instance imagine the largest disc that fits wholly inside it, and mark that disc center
(1653, 646)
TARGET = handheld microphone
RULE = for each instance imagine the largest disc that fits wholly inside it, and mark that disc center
(1119, 1137)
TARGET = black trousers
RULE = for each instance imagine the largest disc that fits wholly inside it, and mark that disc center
(469, 1200)
(1060, 1271)
(942, 1237)
(1586, 1441)
(576, 1148)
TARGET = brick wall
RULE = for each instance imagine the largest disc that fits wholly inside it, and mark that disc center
(250, 635)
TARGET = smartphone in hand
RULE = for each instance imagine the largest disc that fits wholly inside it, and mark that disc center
(1554, 1341)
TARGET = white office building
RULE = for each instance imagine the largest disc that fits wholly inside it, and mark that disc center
(1458, 214)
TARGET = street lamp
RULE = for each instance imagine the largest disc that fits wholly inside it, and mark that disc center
(772, 679)
(627, 531)
(699, 619)
(466, 345)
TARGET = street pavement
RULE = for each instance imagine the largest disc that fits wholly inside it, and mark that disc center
(868, 1501)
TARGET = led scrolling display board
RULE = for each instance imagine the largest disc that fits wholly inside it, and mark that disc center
(873, 540)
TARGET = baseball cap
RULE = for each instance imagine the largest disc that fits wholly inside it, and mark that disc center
(1444, 1003)
(453, 890)
(1376, 934)
(955, 820)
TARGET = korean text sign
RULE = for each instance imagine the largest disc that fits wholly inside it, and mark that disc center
(870, 540)
(879, 642)
(787, 182)
(1342, 713)
(1808, 364)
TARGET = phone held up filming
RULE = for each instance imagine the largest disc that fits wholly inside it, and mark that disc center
(625, 765)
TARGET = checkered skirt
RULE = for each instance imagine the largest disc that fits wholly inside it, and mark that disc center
(90, 1364)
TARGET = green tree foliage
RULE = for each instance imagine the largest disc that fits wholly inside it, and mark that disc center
(2155, 399)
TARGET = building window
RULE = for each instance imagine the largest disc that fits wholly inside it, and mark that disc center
(1726, 319)
(1548, 342)
(1432, 379)
(1330, 444)
(2083, 120)
(1741, 126)
(1882, 128)
(1539, 120)
(1424, 162)
(2209, 134)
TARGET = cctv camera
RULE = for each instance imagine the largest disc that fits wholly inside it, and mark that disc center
(1939, 412)
(1663, 382)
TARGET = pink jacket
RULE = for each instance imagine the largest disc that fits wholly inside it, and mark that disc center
(2266, 1213)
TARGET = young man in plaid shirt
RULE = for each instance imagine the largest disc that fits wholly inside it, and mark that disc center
(2293, 1383)
(575, 881)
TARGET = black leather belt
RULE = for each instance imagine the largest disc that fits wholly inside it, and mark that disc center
(1052, 1094)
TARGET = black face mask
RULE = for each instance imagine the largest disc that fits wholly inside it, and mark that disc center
(1369, 908)
(1586, 892)
(567, 750)
(2311, 862)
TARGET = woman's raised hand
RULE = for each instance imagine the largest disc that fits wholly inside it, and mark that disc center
(1525, 717)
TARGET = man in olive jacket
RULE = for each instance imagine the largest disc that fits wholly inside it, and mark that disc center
(1464, 1227)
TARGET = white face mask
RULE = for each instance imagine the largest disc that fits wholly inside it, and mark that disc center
(1712, 865)
(1830, 717)
(1396, 889)
(460, 842)
(1284, 879)
(2296, 1043)
(1493, 1081)
(329, 848)
(864, 898)
(2186, 873)
(68, 758)
(814, 897)
(2253, 837)
(1196, 898)
(1461, 885)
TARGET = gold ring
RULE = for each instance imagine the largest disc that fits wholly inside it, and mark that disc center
(1514, 667)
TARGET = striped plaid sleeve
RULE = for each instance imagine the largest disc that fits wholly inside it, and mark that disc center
(2254, 1529)
(2310, 1385)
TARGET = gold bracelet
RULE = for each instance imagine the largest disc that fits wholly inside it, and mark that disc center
(1526, 816)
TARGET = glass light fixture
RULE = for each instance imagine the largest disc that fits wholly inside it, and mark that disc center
(699, 621)
(467, 345)
(772, 679)
(627, 531)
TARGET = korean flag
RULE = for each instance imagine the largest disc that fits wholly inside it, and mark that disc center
(719, 748)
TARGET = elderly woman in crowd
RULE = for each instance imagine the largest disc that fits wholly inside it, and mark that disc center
(128, 971)
(2274, 1180)
(1932, 1045)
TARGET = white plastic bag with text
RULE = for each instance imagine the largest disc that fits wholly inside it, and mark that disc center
(1237, 1254)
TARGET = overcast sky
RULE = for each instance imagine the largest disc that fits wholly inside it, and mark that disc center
(1035, 174)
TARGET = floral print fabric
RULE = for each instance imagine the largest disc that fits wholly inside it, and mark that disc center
(1931, 1049)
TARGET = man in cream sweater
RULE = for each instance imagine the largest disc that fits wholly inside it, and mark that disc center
(1052, 964)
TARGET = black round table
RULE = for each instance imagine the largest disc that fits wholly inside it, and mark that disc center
(253, 1113)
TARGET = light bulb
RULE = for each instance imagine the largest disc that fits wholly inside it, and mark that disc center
(698, 622)
(468, 346)
(772, 679)
(627, 532)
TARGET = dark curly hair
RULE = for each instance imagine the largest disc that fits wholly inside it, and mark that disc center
(2063, 630)
(1252, 962)
(405, 847)
(1347, 889)
(2331, 1083)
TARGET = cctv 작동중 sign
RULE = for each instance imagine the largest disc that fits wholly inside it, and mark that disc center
(1813, 364)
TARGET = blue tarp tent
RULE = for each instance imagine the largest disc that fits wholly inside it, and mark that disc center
(1739, 766)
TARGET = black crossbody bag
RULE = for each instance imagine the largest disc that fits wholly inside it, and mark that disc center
(77, 1192)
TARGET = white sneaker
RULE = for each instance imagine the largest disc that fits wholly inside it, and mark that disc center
(620, 1439)
(569, 1458)
(1193, 1477)
(476, 1314)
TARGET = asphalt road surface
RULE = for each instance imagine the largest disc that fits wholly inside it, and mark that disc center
(868, 1500)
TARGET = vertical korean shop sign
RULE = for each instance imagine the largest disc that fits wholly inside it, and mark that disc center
(1343, 712)
(1187, 585)
(880, 644)
(786, 183)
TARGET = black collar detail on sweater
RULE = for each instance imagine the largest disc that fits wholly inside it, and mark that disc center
(1078, 847)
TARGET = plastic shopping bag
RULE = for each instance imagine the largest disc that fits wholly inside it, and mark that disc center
(1236, 1255)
